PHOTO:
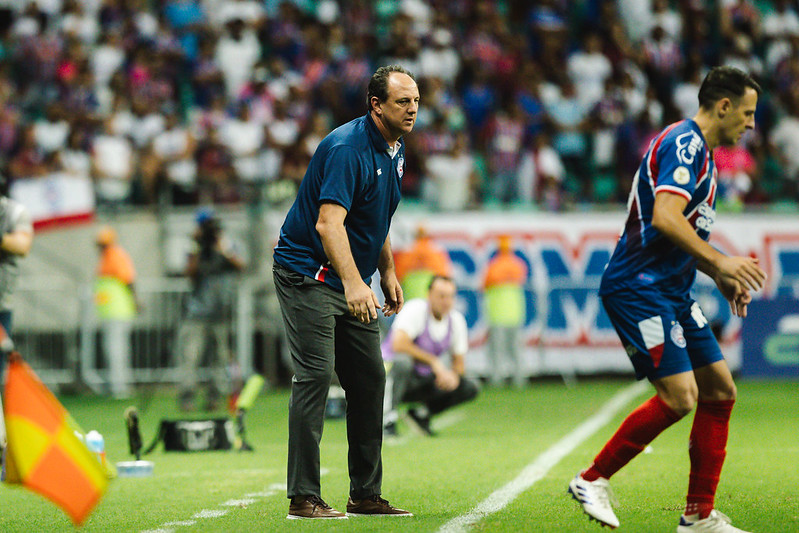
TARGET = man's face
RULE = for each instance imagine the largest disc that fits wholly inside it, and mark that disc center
(398, 112)
(738, 119)
(442, 298)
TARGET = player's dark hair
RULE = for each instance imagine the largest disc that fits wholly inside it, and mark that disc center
(725, 82)
(438, 277)
(378, 85)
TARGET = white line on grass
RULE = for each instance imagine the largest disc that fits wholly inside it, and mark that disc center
(442, 422)
(544, 462)
(246, 500)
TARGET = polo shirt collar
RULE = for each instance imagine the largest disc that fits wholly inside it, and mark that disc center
(377, 138)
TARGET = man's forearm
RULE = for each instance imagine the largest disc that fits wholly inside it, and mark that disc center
(337, 249)
(403, 344)
(385, 262)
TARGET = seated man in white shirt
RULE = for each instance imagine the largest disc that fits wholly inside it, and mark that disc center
(424, 335)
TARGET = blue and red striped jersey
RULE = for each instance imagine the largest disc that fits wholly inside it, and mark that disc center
(678, 161)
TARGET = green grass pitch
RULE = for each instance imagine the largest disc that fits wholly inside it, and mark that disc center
(489, 442)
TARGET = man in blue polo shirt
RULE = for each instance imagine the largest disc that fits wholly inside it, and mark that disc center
(333, 239)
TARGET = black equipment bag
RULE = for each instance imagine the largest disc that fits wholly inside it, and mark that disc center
(194, 435)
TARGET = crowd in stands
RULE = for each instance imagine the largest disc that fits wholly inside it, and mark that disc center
(548, 104)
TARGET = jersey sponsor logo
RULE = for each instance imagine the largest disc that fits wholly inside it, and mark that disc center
(678, 335)
(681, 176)
(706, 218)
(688, 144)
(401, 166)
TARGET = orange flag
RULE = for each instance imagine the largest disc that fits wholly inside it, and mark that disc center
(43, 453)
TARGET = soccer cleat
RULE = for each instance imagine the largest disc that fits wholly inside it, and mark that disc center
(595, 497)
(716, 522)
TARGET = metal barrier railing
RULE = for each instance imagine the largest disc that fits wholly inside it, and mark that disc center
(58, 334)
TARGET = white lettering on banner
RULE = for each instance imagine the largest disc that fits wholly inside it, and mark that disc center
(567, 326)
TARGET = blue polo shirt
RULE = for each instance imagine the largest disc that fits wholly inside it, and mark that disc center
(353, 167)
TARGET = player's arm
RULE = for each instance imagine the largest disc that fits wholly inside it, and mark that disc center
(389, 281)
(668, 219)
(446, 379)
(18, 242)
(361, 300)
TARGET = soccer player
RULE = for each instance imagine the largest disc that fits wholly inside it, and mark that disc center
(646, 292)
(333, 239)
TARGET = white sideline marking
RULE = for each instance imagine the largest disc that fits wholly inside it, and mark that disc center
(246, 500)
(544, 462)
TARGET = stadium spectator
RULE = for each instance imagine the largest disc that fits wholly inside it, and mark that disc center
(200, 57)
(425, 351)
(503, 137)
(439, 59)
(503, 290)
(115, 307)
(645, 290)
(113, 166)
(569, 118)
(451, 177)
(589, 68)
(322, 270)
(237, 52)
(541, 174)
(173, 166)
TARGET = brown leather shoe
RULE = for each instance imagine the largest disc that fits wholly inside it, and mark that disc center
(311, 507)
(374, 506)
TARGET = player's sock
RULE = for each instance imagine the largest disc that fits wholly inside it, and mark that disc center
(638, 429)
(707, 451)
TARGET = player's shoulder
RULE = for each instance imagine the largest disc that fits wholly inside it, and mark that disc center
(683, 140)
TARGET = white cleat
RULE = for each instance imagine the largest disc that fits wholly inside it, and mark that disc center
(595, 497)
(716, 522)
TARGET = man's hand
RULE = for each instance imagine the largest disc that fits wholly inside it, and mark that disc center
(392, 291)
(736, 294)
(744, 270)
(446, 379)
(361, 301)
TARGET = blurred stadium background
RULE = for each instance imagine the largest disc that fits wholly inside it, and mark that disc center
(533, 117)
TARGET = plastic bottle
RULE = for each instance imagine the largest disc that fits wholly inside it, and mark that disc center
(96, 445)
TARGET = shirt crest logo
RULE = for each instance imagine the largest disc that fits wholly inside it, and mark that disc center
(401, 166)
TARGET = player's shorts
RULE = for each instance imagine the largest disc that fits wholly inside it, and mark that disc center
(662, 337)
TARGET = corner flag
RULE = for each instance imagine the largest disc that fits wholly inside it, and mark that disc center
(43, 453)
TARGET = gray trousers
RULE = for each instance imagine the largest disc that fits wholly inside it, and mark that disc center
(116, 346)
(323, 337)
(504, 354)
